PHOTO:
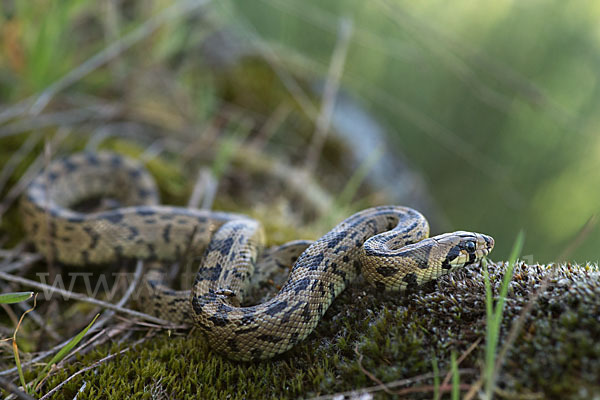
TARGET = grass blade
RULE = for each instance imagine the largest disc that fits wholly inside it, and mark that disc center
(436, 378)
(64, 351)
(455, 378)
(16, 297)
(18, 364)
(16, 347)
(490, 348)
(508, 274)
(357, 178)
(494, 314)
(227, 148)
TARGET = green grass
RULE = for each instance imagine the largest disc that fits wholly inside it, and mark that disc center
(17, 297)
(494, 314)
(396, 336)
(227, 148)
(436, 378)
(43, 374)
(48, 51)
(58, 357)
(351, 187)
(455, 377)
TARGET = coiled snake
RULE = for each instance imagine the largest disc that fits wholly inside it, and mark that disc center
(388, 244)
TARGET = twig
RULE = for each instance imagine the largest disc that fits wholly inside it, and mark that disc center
(205, 190)
(446, 137)
(106, 316)
(79, 349)
(336, 67)
(430, 388)
(14, 252)
(369, 374)
(137, 275)
(475, 387)
(518, 396)
(98, 339)
(11, 387)
(16, 110)
(26, 260)
(11, 255)
(151, 325)
(62, 118)
(81, 389)
(81, 371)
(389, 385)
(112, 26)
(153, 151)
(80, 297)
(50, 256)
(464, 355)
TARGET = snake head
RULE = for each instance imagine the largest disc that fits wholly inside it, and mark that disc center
(463, 248)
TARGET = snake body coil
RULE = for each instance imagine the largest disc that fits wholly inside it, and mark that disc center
(388, 244)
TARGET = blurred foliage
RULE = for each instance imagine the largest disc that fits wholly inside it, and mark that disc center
(495, 105)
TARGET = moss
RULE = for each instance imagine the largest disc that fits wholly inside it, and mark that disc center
(168, 172)
(393, 336)
(396, 337)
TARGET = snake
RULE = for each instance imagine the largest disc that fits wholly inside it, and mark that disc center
(389, 245)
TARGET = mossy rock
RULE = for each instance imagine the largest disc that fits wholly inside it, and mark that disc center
(392, 337)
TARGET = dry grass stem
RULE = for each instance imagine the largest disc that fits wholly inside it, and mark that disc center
(205, 190)
(355, 394)
(460, 359)
(17, 157)
(334, 75)
(31, 173)
(175, 11)
(106, 317)
(25, 260)
(14, 389)
(80, 297)
(90, 367)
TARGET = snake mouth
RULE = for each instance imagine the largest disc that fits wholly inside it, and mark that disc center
(487, 244)
(489, 241)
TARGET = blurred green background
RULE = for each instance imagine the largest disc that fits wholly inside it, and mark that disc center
(495, 104)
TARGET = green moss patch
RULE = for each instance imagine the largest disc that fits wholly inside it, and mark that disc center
(394, 337)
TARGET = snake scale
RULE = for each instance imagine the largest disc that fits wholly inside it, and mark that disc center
(388, 244)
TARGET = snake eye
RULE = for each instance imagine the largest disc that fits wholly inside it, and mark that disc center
(470, 246)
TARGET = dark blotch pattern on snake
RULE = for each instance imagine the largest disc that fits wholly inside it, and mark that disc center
(388, 244)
